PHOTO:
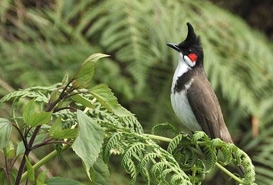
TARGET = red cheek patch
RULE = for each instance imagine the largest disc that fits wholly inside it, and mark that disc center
(193, 57)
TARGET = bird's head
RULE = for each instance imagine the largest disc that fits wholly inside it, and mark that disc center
(190, 50)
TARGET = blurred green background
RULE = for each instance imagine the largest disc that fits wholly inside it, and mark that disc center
(41, 41)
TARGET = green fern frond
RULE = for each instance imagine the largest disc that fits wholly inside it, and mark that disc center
(200, 136)
(208, 150)
(132, 123)
(261, 159)
(134, 151)
(110, 144)
(130, 168)
(164, 127)
(30, 93)
(176, 141)
(143, 165)
(160, 171)
(226, 151)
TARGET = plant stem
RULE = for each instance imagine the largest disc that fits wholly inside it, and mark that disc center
(7, 170)
(229, 173)
(160, 138)
(21, 168)
(28, 146)
(45, 160)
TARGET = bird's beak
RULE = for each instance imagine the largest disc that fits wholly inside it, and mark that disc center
(174, 46)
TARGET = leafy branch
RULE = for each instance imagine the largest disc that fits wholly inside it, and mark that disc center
(92, 122)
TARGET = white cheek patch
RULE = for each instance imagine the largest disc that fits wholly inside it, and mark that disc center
(188, 61)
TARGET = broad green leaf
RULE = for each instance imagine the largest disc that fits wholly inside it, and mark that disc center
(39, 138)
(102, 175)
(29, 110)
(32, 118)
(57, 132)
(82, 100)
(84, 76)
(41, 178)
(92, 176)
(5, 131)
(30, 170)
(105, 96)
(20, 148)
(89, 141)
(66, 133)
(9, 150)
(62, 181)
(39, 118)
(57, 125)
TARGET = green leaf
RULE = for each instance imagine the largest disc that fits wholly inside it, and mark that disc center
(5, 131)
(30, 170)
(9, 150)
(84, 76)
(34, 119)
(62, 181)
(41, 178)
(66, 133)
(57, 125)
(82, 100)
(20, 148)
(29, 110)
(39, 118)
(105, 96)
(57, 132)
(89, 141)
(102, 175)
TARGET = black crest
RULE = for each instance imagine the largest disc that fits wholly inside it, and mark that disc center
(191, 40)
(191, 44)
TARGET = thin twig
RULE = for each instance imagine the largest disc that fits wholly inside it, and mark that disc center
(21, 134)
(63, 108)
(48, 143)
(7, 171)
(49, 107)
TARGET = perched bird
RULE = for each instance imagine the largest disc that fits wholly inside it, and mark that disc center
(192, 97)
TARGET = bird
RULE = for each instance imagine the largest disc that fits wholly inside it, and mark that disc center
(192, 97)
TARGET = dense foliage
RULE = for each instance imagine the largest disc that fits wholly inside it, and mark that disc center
(40, 40)
(91, 122)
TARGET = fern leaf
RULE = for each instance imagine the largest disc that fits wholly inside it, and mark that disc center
(176, 141)
(110, 144)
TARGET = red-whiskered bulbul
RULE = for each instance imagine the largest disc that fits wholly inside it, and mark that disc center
(192, 97)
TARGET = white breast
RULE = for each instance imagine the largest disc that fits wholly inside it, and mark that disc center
(179, 100)
(183, 110)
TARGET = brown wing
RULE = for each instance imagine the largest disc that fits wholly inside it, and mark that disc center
(206, 108)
